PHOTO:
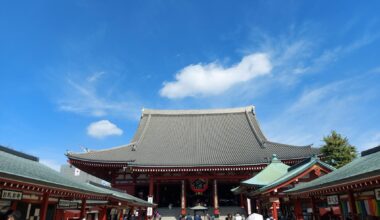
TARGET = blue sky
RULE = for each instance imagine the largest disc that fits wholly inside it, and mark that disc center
(77, 73)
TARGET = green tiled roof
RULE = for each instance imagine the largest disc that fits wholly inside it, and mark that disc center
(293, 172)
(363, 167)
(270, 173)
(117, 194)
(18, 168)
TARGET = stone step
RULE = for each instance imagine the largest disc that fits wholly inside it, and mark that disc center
(173, 213)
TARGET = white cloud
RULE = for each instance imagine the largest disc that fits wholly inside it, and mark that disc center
(86, 96)
(102, 129)
(335, 106)
(213, 78)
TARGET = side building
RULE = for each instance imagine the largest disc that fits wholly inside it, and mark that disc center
(188, 157)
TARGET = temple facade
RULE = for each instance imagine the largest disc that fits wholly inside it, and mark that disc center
(187, 157)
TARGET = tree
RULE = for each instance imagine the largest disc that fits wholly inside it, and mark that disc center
(337, 150)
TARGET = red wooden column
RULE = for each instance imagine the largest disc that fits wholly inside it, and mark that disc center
(151, 186)
(183, 198)
(103, 213)
(241, 201)
(121, 214)
(216, 203)
(314, 208)
(298, 209)
(274, 211)
(351, 201)
(158, 192)
(14, 205)
(83, 209)
(44, 206)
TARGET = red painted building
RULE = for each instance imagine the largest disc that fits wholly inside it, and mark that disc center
(185, 157)
(36, 191)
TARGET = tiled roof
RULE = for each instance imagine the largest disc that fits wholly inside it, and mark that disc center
(293, 172)
(17, 168)
(363, 167)
(270, 173)
(118, 194)
(197, 137)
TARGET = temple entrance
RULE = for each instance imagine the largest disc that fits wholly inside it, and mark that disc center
(226, 197)
(203, 199)
(169, 194)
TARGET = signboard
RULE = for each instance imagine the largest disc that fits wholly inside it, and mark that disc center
(377, 194)
(11, 195)
(67, 204)
(333, 200)
(149, 211)
(249, 206)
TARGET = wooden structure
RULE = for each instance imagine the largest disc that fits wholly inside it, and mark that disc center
(266, 189)
(352, 191)
(199, 153)
(39, 192)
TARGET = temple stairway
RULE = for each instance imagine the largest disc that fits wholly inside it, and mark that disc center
(173, 214)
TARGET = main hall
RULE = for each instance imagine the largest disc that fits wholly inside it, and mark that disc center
(182, 158)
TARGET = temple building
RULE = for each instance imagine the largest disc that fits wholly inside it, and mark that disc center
(267, 189)
(35, 191)
(350, 192)
(187, 157)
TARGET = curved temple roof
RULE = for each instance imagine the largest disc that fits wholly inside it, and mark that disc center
(177, 138)
(26, 169)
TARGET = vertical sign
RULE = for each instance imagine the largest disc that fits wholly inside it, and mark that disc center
(249, 206)
(149, 211)
(183, 205)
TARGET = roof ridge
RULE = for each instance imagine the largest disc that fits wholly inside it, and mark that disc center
(289, 145)
(102, 150)
(142, 133)
(18, 153)
(261, 142)
(250, 108)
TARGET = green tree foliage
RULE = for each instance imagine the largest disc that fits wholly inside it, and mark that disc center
(337, 151)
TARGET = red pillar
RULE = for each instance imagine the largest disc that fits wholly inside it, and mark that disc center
(103, 213)
(83, 209)
(158, 192)
(151, 186)
(121, 214)
(298, 209)
(44, 206)
(183, 198)
(14, 205)
(241, 201)
(351, 201)
(314, 208)
(216, 203)
(274, 211)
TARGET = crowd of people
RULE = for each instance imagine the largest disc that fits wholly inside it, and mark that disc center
(10, 215)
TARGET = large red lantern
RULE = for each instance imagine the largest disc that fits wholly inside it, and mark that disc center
(199, 185)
